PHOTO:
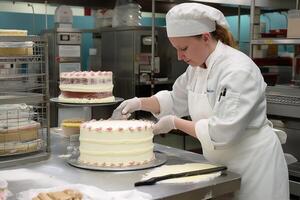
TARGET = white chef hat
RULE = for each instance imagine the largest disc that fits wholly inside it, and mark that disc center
(189, 19)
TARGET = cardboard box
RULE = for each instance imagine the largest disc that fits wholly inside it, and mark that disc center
(293, 24)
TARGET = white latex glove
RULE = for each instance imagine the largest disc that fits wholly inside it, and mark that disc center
(164, 125)
(127, 107)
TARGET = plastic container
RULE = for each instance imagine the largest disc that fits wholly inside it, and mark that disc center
(103, 18)
(3, 189)
(293, 24)
(127, 15)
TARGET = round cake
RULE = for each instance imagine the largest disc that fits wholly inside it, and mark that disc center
(116, 143)
(86, 87)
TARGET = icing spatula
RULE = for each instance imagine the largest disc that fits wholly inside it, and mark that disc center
(153, 180)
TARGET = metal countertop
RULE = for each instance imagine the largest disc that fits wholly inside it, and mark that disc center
(58, 168)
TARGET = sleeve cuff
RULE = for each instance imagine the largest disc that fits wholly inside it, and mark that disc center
(202, 134)
(165, 103)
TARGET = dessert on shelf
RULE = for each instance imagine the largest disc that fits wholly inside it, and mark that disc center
(15, 48)
(19, 133)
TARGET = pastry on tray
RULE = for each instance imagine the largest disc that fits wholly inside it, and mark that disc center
(67, 194)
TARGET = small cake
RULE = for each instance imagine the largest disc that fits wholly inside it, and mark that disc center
(86, 87)
(116, 143)
(71, 126)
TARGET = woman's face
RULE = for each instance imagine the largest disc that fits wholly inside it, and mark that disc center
(192, 50)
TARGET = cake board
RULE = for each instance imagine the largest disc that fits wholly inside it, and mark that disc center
(160, 159)
(64, 103)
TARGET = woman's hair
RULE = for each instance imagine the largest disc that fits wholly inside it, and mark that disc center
(224, 35)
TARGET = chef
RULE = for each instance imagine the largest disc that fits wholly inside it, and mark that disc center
(223, 92)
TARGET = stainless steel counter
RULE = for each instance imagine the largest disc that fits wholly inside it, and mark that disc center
(57, 167)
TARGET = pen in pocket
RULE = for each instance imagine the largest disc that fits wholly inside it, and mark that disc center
(222, 93)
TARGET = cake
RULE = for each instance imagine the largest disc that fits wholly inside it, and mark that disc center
(116, 143)
(86, 87)
(15, 48)
(18, 132)
(13, 32)
(71, 126)
(12, 148)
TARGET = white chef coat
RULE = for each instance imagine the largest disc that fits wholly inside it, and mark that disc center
(232, 128)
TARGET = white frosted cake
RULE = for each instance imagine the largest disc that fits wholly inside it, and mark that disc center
(116, 143)
(86, 87)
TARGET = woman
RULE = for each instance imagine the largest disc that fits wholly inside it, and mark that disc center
(224, 93)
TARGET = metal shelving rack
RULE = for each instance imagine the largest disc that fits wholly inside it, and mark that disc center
(283, 101)
(24, 80)
(278, 41)
(269, 41)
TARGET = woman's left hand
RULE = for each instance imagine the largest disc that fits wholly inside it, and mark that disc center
(164, 125)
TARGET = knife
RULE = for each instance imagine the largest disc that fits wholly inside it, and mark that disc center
(153, 180)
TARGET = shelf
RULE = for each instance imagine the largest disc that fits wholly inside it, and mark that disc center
(20, 97)
(24, 88)
(21, 38)
(22, 59)
(276, 41)
(18, 76)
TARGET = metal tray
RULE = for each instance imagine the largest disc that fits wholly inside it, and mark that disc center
(56, 100)
(159, 160)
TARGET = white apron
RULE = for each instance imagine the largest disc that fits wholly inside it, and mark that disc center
(257, 156)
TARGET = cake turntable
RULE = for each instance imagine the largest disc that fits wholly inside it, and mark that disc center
(160, 159)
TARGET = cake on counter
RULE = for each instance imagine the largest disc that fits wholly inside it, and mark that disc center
(86, 87)
(116, 143)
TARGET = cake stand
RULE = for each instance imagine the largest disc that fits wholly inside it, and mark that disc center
(160, 159)
(64, 103)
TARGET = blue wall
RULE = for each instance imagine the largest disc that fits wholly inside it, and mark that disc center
(25, 21)
(277, 21)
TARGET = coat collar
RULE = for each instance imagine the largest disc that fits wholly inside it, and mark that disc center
(214, 55)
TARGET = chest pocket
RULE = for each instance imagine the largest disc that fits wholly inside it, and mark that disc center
(227, 106)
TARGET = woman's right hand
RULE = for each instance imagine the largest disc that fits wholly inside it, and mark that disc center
(124, 110)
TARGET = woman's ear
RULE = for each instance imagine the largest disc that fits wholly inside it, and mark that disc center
(206, 37)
